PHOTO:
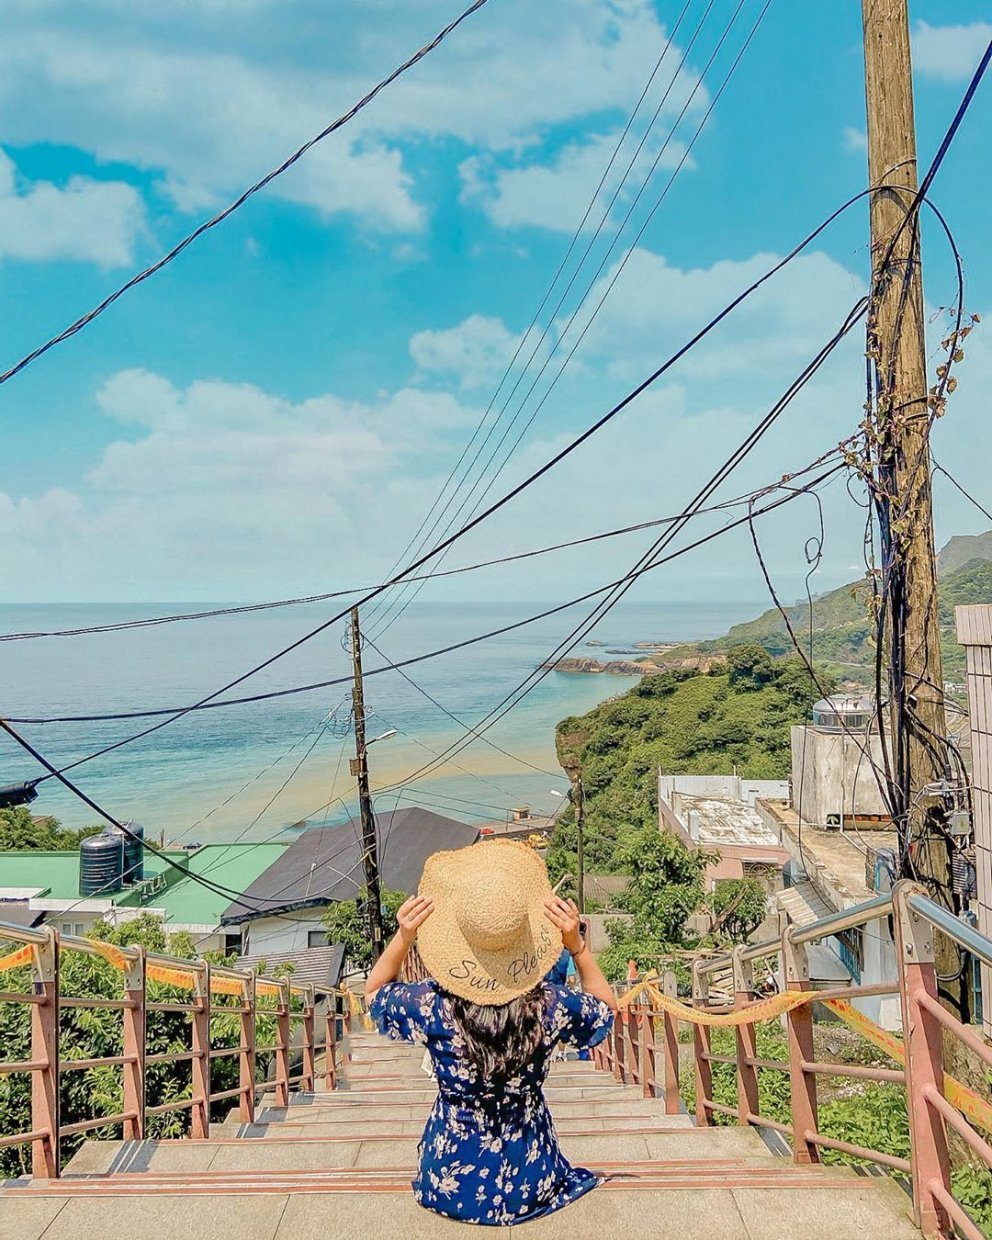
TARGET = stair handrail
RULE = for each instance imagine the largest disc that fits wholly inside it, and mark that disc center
(212, 989)
(645, 1037)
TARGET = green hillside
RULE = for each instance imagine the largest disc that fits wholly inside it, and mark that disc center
(738, 714)
(842, 629)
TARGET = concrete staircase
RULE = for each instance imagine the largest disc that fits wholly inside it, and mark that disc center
(339, 1164)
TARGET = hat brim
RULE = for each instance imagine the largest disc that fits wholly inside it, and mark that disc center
(489, 978)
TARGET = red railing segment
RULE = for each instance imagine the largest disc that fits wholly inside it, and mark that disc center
(925, 1021)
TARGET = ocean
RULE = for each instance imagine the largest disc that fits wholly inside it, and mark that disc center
(257, 771)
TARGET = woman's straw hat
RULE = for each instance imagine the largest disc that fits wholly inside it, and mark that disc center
(488, 939)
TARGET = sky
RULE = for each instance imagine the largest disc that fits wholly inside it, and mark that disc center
(276, 411)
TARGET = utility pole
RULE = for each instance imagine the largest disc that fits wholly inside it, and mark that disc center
(360, 768)
(897, 346)
(578, 798)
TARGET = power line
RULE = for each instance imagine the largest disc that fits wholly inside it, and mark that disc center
(149, 622)
(481, 498)
(527, 482)
(298, 154)
(375, 671)
(540, 309)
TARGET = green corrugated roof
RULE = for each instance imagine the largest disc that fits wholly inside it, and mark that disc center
(56, 874)
(234, 866)
(185, 901)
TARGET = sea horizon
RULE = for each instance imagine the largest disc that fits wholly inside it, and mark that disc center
(257, 771)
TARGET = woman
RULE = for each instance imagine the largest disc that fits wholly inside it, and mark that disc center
(489, 928)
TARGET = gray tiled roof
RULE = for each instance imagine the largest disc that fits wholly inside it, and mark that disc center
(320, 965)
(325, 864)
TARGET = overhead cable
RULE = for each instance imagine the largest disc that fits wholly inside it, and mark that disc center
(242, 198)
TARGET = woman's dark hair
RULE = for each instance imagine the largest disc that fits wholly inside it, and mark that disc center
(500, 1041)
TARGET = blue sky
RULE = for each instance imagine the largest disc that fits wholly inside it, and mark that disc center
(274, 413)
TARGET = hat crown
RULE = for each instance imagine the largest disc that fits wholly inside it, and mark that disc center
(492, 911)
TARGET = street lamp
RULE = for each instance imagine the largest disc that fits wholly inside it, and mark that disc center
(384, 737)
(18, 794)
(576, 795)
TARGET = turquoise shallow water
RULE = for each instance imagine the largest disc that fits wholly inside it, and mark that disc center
(177, 780)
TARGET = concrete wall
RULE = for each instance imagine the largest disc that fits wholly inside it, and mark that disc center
(974, 632)
(832, 774)
(599, 940)
(289, 932)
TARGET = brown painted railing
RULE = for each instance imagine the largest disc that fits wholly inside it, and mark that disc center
(215, 991)
(643, 1048)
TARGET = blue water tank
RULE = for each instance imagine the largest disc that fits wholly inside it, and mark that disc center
(101, 863)
(134, 853)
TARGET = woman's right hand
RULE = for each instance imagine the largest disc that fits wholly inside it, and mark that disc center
(411, 916)
(565, 915)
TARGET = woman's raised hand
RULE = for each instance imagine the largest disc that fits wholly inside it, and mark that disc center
(411, 916)
(565, 915)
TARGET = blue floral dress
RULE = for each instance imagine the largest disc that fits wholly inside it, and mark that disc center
(489, 1153)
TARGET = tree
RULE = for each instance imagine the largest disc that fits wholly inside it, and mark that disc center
(347, 923)
(738, 907)
(750, 666)
(20, 831)
(94, 1033)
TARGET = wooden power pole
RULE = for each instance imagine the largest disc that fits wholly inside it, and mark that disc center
(360, 768)
(896, 343)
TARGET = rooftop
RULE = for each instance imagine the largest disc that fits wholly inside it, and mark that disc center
(724, 821)
(322, 866)
(320, 965)
(834, 859)
(55, 875)
(49, 876)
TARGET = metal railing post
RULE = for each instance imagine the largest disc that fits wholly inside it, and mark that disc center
(45, 1108)
(135, 1026)
(619, 1049)
(246, 1059)
(799, 1027)
(928, 1156)
(331, 1044)
(670, 1028)
(308, 1081)
(702, 1067)
(282, 1045)
(200, 1046)
(746, 1040)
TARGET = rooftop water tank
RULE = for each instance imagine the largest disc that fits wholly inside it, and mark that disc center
(134, 852)
(844, 714)
(101, 863)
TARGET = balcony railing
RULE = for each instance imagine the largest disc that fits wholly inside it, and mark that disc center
(643, 1047)
(243, 996)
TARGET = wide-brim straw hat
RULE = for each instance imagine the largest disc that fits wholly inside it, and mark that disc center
(487, 938)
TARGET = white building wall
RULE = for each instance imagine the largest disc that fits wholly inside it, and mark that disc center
(832, 774)
(974, 632)
(289, 932)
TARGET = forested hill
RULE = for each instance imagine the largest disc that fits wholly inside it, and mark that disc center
(842, 631)
(738, 714)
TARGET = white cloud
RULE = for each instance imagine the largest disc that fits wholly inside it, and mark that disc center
(855, 140)
(84, 221)
(949, 53)
(552, 194)
(476, 351)
(209, 105)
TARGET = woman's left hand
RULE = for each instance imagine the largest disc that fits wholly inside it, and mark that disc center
(411, 916)
(565, 915)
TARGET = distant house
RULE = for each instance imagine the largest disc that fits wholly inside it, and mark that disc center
(320, 966)
(718, 814)
(38, 886)
(281, 910)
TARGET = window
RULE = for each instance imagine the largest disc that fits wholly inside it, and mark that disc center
(317, 938)
(852, 952)
(232, 944)
(75, 928)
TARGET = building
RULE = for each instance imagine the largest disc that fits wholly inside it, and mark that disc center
(973, 625)
(37, 887)
(718, 813)
(834, 760)
(831, 869)
(325, 865)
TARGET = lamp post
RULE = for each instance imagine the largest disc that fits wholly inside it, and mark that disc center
(576, 796)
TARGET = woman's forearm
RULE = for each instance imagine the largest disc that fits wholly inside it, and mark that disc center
(592, 980)
(389, 965)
